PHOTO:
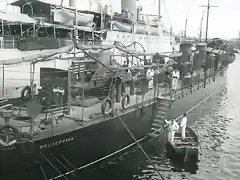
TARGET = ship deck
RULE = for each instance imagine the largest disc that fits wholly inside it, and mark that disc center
(91, 115)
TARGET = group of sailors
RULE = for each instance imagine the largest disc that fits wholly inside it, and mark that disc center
(174, 127)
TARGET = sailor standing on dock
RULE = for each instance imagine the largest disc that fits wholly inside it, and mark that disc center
(173, 127)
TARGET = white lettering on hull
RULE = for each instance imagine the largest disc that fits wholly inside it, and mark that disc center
(56, 143)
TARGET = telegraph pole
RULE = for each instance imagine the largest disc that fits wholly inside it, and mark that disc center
(208, 8)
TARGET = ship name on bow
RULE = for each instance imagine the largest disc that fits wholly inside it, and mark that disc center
(56, 143)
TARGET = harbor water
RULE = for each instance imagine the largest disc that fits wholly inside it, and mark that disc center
(217, 122)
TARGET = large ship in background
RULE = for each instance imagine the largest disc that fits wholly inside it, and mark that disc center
(121, 21)
(85, 85)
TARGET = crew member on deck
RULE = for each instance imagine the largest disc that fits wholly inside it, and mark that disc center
(175, 77)
(183, 125)
(150, 75)
(173, 127)
(125, 65)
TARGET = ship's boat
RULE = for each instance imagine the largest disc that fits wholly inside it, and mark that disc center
(186, 148)
(120, 26)
(141, 28)
(67, 17)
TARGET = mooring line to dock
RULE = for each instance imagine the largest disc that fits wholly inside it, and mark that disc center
(65, 166)
(135, 140)
(63, 175)
(194, 107)
(99, 160)
(68, 162)
(44, 175)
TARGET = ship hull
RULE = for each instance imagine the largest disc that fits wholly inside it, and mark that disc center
(98, 141)
(82, 146)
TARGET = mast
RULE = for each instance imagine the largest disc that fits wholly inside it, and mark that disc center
(201, 24)
(159, 9)
(208, 8)
(185, 30)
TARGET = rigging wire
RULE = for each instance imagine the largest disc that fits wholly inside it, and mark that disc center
(135, 140)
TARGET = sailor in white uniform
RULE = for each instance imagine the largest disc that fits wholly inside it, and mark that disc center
(183, 125)
(173, 127)
(175, 77)
(150, 75)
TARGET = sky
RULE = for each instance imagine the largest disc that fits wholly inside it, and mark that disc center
(223, 20)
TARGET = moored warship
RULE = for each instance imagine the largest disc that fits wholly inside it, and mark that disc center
(82, 114)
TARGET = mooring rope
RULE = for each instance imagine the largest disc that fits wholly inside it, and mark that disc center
(63, 175)
(135, 140)
(44, 175)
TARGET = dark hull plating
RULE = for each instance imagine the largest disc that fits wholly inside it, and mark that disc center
(94, 142)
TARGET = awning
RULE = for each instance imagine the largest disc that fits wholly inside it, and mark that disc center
(15, 17)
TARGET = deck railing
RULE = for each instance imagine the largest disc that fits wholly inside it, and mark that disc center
(11, 42)
(8, 42)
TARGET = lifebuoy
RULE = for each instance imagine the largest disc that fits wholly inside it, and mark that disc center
(44, 97)
(124, 103)
(93, 25)
(9, 135)
(28, 147)
(26, 93)
(104, 105)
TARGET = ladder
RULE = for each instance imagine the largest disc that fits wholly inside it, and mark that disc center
(163, 104)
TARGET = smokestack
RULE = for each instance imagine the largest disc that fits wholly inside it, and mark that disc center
(201, 47)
